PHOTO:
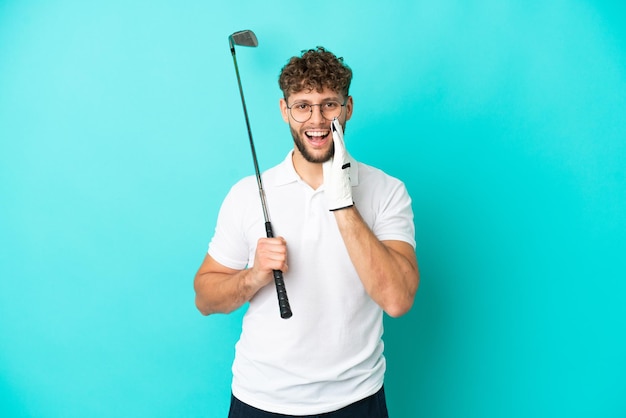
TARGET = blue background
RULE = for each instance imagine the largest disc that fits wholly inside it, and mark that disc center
(121, 130)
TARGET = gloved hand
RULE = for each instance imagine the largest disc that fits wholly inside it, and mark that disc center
(337, 187)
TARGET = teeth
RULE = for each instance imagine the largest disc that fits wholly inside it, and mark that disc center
(320, 134)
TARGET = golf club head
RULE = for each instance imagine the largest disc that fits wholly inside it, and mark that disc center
(242, 38)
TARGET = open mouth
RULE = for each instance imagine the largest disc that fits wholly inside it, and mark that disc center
(317, 136)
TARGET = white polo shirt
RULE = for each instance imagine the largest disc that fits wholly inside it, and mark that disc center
(330, 353)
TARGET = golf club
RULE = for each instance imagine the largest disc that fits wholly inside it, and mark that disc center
(248, 38)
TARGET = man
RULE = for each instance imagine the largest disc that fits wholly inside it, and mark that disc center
(345, 243)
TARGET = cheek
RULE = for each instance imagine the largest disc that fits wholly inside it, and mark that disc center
(295, 127)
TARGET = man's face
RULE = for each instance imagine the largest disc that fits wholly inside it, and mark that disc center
(313, 138)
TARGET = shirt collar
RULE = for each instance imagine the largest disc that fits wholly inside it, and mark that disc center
(288, 172)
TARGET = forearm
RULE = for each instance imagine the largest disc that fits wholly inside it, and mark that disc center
(222, 292)
(387, 270)
(222, 289)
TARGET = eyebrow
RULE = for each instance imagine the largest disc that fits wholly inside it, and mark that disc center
(329, 99)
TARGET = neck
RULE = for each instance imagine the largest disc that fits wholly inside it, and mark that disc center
(310, 173)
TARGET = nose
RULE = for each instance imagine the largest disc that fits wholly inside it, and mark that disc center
(316, 114)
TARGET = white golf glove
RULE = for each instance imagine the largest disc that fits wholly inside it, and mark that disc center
(337, 187)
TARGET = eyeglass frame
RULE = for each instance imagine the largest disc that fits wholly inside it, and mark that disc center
(316, 104)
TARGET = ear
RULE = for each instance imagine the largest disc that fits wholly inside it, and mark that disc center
(283, 110)
(349, 107)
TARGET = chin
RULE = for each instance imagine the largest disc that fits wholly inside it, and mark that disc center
(316, 157)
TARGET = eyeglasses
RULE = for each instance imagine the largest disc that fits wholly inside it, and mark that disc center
(301, 112)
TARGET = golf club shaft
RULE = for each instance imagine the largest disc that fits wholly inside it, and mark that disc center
(281, 291)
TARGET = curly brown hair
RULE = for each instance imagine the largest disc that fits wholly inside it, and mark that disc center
(315, 69)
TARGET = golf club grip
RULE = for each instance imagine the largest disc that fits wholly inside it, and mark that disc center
(281, 290)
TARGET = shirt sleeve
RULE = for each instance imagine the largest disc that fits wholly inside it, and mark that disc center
(394, 219)
(229, 245)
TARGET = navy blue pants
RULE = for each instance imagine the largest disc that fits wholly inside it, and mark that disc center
(374, 406)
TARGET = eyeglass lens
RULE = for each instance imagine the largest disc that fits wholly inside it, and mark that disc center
(301, 112)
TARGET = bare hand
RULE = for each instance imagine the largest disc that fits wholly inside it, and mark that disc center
(271, 254)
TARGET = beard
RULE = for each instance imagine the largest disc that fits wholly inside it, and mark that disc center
(308, 156)
(301, 145)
